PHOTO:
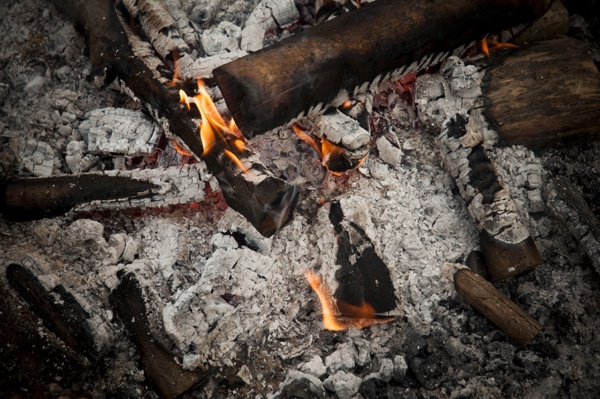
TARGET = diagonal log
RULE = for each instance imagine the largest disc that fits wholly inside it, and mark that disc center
(267, 202)
(323, 66)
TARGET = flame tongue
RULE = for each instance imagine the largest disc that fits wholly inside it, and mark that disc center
(338, 315)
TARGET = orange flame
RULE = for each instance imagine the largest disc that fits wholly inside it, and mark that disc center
(180, 149)
(491, 43)
(352, 316)
(213, 128)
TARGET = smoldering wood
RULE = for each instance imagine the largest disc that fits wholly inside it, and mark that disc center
(506, 244)
(59, 310)
(37, 198)
(325, 65)
(544, 95)
(169, 378)
(496, 306)
(110, 52)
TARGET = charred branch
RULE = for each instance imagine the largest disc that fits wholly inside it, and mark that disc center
(323, 66)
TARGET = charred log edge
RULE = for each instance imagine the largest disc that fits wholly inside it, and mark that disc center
(504, 260)
(496, 306)
(476, 262)
(111, 51)
(364, 280)
(571, 196)
(64, 317)
(37, 198)
(521, 122)
(164, 374)
(339, 59)
(483, 175)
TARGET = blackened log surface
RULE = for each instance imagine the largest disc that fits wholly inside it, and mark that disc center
(167, 377)
(476, 262)
(30, 199)
(59, 310)
(268, 88)
(362, 276)
(505, 260)
(546, 94)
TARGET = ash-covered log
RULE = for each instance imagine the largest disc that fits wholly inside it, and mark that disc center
(325, 65)
(543, 95)
(112, 56)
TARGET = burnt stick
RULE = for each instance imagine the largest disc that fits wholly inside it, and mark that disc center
(324, 65)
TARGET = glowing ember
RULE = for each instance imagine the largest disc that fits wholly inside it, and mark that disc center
(350, 317)
(214, 132)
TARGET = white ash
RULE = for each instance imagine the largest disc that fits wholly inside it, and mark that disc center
(268, 14)
(203, 67)
(224, 38)
(119, 131)
(343, 131)
(37, 158)
(160, 27)
(344, 384)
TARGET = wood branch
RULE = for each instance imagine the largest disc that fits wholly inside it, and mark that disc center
(110, 52)
(169, 379)
(496, 306)
(325, 65)
(505, 242)
(545, 94)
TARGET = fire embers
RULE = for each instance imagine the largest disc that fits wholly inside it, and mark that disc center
(341, 141)
(365, 292)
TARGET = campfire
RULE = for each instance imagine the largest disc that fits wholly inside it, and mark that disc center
(281, 199)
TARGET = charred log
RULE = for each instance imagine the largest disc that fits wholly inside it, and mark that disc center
(545, 94)
(323, 66)
(111, 53)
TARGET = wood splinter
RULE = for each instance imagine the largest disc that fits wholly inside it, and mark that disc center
(496, 306)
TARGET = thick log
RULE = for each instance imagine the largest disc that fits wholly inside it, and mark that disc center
(167, 377)
(270, 204)
(323, 66)
(496, 306)
(37, 198)
(545, 94)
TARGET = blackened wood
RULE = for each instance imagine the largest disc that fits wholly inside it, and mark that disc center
(36, 198)
(264, 205)
(476, 262)
(545, 94)
(167, 377)
(59, 310)
(504, 260)
(496, 306)
(268, 88)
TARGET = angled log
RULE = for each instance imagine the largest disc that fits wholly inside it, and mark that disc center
(543, 95)
(323, 66)
(111, 56)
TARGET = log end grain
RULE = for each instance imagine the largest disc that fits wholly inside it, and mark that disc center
(504, 260)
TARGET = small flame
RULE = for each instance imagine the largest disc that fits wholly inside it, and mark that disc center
(175, 79)
(351, 317)
(180, 149)
(236, 160)
(491, 43)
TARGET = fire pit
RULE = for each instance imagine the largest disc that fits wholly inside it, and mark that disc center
(387, 236)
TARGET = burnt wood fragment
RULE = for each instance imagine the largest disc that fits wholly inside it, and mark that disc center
(325, 65)
(476, 262)
(168, 378)
(363, 277)
(59, 310)
(111, 56)
(496, 306)
(37, 198)
(544, 95)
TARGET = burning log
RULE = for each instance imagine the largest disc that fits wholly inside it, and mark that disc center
(505, 242)
(323, 66)
(545, 94)
(267, 202)
(496, 306)
(169, 379)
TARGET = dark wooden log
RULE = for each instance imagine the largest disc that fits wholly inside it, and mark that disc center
(476, 262)
(36, 198)
(545, 94)
(326, 64)
(496, 306)
(268, 205)
(166, 376)
(504, 260)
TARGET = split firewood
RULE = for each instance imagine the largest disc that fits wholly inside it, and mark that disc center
(324, 66)
(567, 202)
(267, 202)
(59, 310)
(496, 306)
(545, 94)
(504, 239)
(168, 378)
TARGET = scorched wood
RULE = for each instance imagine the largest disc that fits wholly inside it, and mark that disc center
(267, 205)
(323, 66)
